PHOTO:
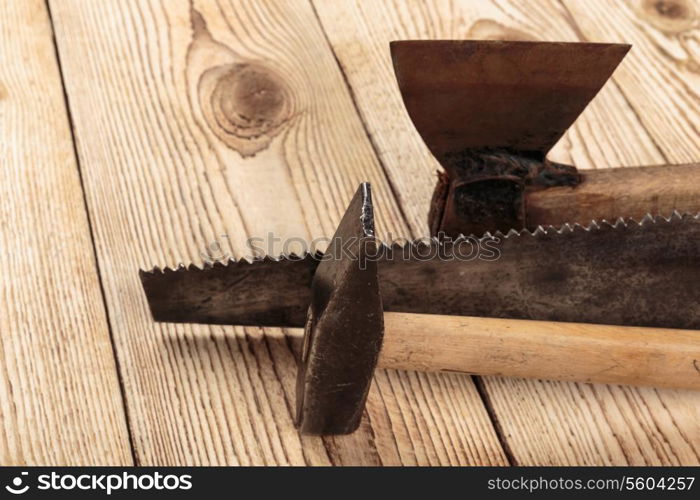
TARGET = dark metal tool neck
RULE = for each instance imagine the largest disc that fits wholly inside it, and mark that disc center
(486, 190)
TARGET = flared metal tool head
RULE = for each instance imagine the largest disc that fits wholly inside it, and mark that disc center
(466, 95)
(489, 111)
(344, 328)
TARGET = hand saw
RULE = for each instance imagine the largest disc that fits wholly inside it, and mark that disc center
(623, 272)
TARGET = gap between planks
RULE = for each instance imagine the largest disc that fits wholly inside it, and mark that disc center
(66, 100)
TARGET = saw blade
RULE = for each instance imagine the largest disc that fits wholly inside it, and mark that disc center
(265, 291)
(627, 272)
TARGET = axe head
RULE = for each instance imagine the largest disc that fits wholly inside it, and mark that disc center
(467, 96)
(344, 327)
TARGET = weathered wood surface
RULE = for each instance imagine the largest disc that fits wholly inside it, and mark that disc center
(60, 402)
(214, 121)
(646, 115)
(197, 121)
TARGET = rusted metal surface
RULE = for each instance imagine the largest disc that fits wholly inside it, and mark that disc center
(487, 191)
(631, 273)
(627, 273)
(483, 107)
(465, 95)
(266, 292)
(343, 333)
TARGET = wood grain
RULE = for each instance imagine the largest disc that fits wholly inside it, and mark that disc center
(661, 77)
(209, 123)
(60, 401)
(548, 422)
(618, 192)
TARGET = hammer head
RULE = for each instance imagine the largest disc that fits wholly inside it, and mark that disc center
(344, 327)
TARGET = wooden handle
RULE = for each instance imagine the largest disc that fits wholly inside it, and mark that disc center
(540, 349)
(611, 193)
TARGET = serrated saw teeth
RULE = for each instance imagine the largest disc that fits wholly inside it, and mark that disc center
(222, 264)
(625, 271)
(620, 222)
(264, 291)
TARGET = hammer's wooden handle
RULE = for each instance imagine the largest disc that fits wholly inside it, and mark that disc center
(540, 349)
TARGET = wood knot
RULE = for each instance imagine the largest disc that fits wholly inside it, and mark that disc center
(673, 9)
(245, 105)
(670, 15)
(244, 102)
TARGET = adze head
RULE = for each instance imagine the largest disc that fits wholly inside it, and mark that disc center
(344, 327)
(489, 111)
(465, 96)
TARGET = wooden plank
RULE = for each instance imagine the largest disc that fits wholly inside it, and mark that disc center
(60, 402)
(660, 79)
(232, 119)
(542, 422)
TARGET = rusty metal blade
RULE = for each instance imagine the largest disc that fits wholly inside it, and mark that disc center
(643, 273)
(518, 96)
(267, 292)
(632, 273)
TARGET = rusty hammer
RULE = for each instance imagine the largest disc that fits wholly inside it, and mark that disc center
(347, 335)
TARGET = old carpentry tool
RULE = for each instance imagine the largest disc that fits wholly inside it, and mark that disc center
(346, 324)
(489, 111)
(626, 273)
